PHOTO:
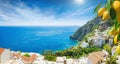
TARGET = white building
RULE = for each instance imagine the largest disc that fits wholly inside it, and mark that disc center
(60, 60)
(69, 61)
(40, 60)
(5, 55)
(97, 33)
(110, 41)
(114, 50)
(15, 61)
(84, 45)
(118, 59)
(98, 41)
(82, 60)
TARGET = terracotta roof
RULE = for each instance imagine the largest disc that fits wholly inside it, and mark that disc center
(1, 50)
(96, 57)
(16, 55)
(25, 58)
(29, 59)
(93, 59)
(34, 56)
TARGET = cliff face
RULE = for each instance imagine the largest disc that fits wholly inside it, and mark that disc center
(89, 27)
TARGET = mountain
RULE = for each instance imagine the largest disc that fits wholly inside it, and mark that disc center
(89, 27)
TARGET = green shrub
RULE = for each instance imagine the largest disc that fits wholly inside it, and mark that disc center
(108, 48)
(50, 57)
(27, 55)
(77, 53)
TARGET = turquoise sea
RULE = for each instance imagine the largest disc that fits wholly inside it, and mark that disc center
(37, 39)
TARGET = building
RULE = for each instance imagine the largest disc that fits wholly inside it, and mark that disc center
(5, 55)
(82, 60)
(69, 61)
(114, 50)
(118, 59)
(25, 59)
(40, 60)
(29, 59)
(61, 60)
(95, 58)
(110, 41)
(84, 45)
(98, 41)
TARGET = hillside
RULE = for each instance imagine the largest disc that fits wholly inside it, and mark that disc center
(89, 27)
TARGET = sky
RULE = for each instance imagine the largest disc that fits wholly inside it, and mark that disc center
(47, 12)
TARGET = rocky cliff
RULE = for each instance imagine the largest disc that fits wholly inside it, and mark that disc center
(89, 27)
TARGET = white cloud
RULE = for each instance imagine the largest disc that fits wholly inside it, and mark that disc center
(25, 16)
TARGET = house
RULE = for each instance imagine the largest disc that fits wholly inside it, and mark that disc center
(5, 55)
(40, 60)
(114, 50)
(69, 61)
(15, 61)
(95, 57)
(29, 59)
(84, 45)
(105, 53)
(97, 33)
(98, 41)
(111, 41)
(26, 59)
(82, 60)
(61, 60)
(118, 59)
(16, 55)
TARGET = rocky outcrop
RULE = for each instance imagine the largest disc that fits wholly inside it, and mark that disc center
(89, 27)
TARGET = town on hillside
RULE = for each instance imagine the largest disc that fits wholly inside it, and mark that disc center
(99, 38)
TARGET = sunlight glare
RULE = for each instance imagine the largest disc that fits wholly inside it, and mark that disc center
(79, 1)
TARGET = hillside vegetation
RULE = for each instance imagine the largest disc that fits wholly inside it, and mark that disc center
(89, 27)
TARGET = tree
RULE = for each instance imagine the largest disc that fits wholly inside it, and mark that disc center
(111, 10)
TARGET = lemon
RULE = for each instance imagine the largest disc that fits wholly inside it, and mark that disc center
(116, 39)
(118, 49)
(112, 32)
(105, 15)
(101, 11)
(116, 5)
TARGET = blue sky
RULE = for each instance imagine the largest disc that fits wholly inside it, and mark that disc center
(47, 12)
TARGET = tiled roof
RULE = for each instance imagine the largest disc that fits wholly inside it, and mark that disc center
(96, 57)
(29, 59)
(1, 50)
(16, 55)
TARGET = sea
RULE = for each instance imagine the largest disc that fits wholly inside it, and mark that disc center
(37, 38)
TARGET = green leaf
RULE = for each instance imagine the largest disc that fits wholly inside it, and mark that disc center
(112, 13)
(111, 1)
(116, 24)
(97, 8)
(119, 37)
(108, 5)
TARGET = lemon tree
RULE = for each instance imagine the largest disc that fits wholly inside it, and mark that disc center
(111, 10)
